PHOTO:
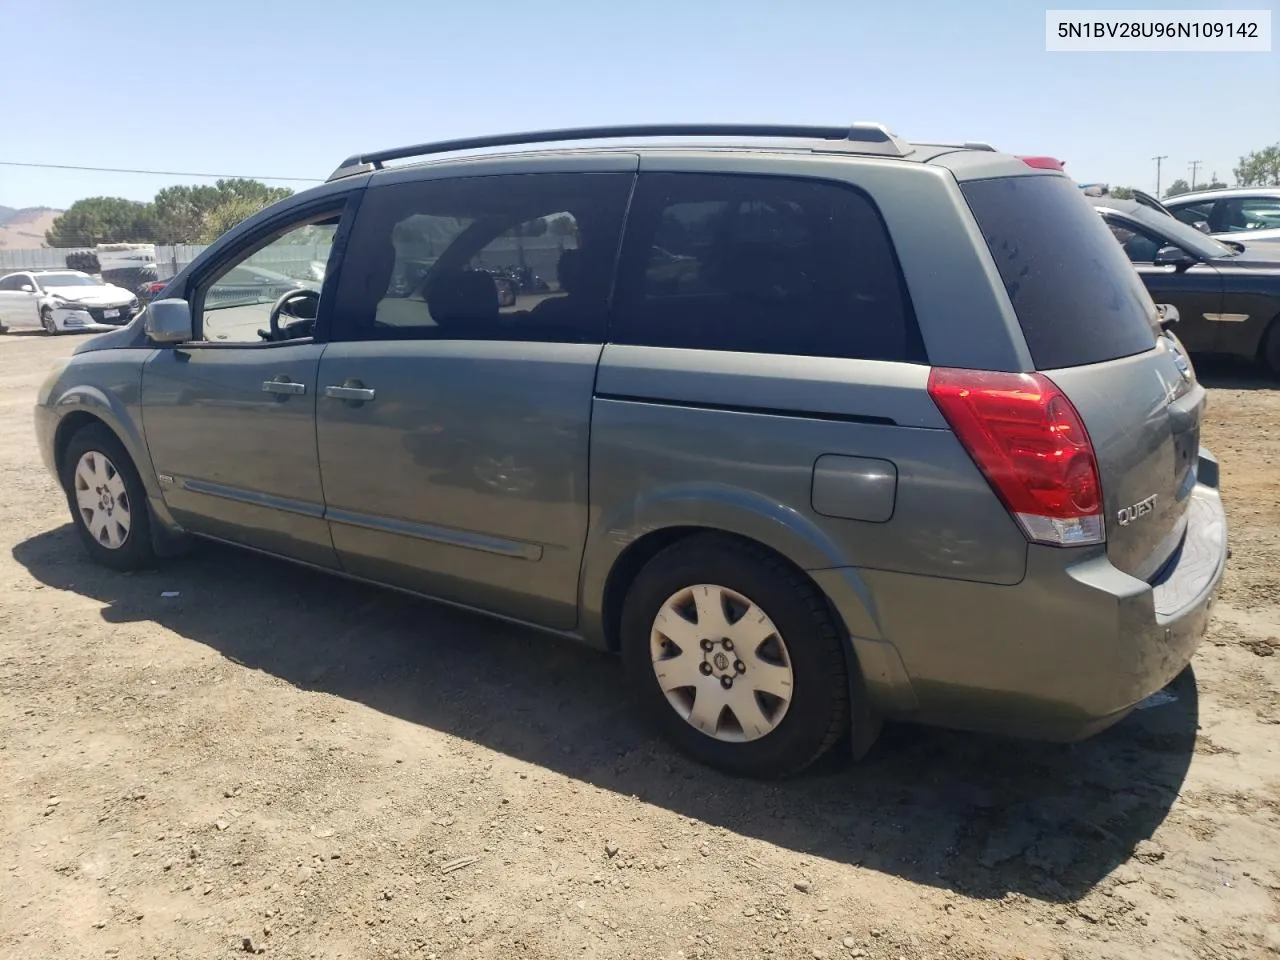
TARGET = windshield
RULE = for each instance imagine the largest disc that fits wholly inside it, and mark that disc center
(67, 280)
(1177, 232)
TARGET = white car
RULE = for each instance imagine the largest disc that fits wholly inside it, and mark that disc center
(1237, 213)
(63, 300)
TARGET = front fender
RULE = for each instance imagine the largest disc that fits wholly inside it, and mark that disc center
(727, 509)
(107, 387)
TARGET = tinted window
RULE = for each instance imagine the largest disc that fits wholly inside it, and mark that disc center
(1076, 295)
(527, 257)
(761, 264)
(13, 282)
(1139, 246)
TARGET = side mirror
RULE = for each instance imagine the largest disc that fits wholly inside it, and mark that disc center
(1202, 226)
(169, 321)
(1169, 316)
(28, 288)
(1172, 256)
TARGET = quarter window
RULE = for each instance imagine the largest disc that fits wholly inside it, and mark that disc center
(520, 257)
(764, 265)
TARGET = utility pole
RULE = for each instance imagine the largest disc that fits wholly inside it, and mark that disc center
(1163, 156)
(1194, 165)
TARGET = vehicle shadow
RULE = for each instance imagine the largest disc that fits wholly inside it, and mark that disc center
(981, 815)
(1229, 373)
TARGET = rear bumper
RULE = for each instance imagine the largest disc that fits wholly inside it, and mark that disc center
(1065, 653)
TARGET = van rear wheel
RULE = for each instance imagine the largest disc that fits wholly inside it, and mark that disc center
(737, 657)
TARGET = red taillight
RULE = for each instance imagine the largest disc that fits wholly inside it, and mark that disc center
(1031, 445)
(1043, 163)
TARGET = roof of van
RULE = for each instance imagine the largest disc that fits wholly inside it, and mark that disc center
(859, 139)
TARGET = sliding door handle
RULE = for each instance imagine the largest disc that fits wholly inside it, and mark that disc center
(350, 393)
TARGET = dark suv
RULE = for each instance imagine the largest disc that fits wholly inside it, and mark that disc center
(814, 428)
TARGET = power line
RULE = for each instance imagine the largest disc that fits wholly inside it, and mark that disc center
(1160, 159)
(154, 173)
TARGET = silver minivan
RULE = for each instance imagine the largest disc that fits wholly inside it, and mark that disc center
(814, 426)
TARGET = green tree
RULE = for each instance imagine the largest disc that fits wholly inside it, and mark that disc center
(1215, 185)
(1178, 187)
(1122, 193)
(95, 220)
(181, 212)
(226, 215)
(1260, 168)
(201, 214)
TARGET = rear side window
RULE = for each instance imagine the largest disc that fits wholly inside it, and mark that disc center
(763, 265)
(1077, 297)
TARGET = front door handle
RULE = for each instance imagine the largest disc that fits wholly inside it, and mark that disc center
(346, 392)
(285, 387)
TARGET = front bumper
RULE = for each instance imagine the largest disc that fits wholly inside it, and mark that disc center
(92, 318)
(1065, 653)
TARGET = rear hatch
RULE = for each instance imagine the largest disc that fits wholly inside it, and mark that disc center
(1092, 329)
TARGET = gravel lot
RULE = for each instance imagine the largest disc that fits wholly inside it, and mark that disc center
(280, 762)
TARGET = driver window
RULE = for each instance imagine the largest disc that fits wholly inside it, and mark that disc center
(1139, 247)
(236, 306)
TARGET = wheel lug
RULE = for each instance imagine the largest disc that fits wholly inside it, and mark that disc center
(707, 645)
(727, 643)
(739, 666)
(726, 682)
(705, 668)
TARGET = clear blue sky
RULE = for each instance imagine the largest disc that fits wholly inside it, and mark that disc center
(289, 88)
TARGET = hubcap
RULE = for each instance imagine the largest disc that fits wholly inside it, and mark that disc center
(721, 663)
(102, 500)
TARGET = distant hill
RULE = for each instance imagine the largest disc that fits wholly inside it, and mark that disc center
(24, 229)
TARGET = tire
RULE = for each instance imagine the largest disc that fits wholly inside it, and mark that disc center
(96, 467)
(46, 321)
(798, 633)
(1270, 353)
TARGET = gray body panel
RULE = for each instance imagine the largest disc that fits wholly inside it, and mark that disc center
(1143, 417)
(517, 478)
(466, 477)
(240, 462)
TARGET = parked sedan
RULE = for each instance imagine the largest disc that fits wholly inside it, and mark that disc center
(1227, 294)
(63, 300)
(1242, 213)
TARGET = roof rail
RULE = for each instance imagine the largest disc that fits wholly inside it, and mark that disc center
(872, 138)
(966, 145)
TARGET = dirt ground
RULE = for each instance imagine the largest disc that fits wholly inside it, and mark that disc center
(280, 762)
